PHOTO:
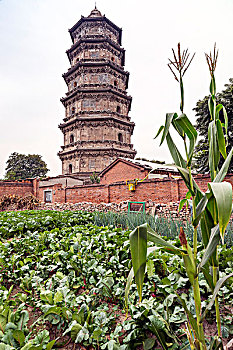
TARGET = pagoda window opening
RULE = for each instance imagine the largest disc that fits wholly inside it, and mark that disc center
(91, 163)
(113, 59)
(70, 169)
(73, 110)
(118, 109)
(71, 138)
(75, 83)
(115, 83)
(120, 137)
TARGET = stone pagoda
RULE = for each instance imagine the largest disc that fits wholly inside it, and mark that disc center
(96, 127)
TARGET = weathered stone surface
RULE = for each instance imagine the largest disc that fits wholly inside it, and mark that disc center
(96, 127)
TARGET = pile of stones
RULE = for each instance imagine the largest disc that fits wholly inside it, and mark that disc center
(160, 209)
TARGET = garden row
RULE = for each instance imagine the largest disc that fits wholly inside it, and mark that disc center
(63, 282)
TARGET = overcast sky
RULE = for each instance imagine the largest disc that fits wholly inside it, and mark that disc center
(33, 40)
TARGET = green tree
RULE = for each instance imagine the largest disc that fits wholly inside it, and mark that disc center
(203, 118)
(22, 166)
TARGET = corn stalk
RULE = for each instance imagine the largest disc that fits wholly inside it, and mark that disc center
(211, 210)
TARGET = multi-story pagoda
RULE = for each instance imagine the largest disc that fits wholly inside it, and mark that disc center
(96, 127)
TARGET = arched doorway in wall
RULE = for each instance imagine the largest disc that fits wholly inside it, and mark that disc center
(71, 138)
(70, 169)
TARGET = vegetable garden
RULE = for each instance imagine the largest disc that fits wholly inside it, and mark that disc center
(63, 282)
(67, 282)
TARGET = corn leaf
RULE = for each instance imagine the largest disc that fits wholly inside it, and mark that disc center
(216, 290)
(213, 209)
(154, 237)
(138, 247)
(207, 224)
(127, 288)
(208, 277)
(211, 247)
(212, 106)
(218, 109)
(131, 276)
(182, 203)
(189, 315)
(219, 178)
(212, 85)
(190, 131)
(159, 131)
(223, 195)
(169, 117)
(224, 169)
(221, 139)
(213, 150)
(177, 157)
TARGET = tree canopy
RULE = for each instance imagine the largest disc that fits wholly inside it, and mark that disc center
(203, 118)
(22, 166)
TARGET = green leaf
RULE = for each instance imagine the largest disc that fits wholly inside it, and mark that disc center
(150, 267)
(190, 317)
(169, 117)
(127, 288)
(47, 296)
(177, 157)
(212, 85)
(3, 322)
(58, 297)
(221, 139)
(213, 150)
(154, 237)
(218, 109)
(49, 346)
(148, 343)
(53, 310)
(224, 169)
(19, 336)
(225, 120)
(208, 277)
(216, 290)
(131, 276)
(23, 319)
(138, 247)
(212, 106)
(75, 331)
(211, 247)
(190, 131)
(182, 203)
(223, 195)
(207, 224)
(5, 347)
(159, 131)
(219, 178)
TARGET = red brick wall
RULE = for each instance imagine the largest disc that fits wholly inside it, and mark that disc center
(90, 193)
(158, 190)
(16, 188)
(122, 172)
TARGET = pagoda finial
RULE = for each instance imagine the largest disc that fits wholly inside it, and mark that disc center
(95, 12)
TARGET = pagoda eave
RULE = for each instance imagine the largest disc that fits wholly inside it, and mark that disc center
(94, 64)
(94, 91)
(91, 119)
(95, 19)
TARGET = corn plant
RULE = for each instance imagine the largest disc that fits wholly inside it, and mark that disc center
(211, 210)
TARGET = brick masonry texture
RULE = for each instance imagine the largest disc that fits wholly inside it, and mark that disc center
(157, 190)
(121, 171)
(16, 188)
